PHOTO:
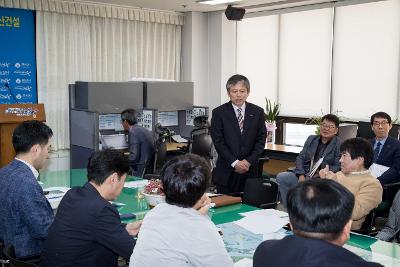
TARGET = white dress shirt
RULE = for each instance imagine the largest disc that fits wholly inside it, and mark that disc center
(34, 171)
(171, 236)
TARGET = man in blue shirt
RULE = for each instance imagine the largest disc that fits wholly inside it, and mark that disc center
(25, 213)
(386, 148)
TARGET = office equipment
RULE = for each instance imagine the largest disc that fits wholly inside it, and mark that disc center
(114, 141)
(168, 118)
(92, 130)
(168, 96)
(10, 116)
(108, 97)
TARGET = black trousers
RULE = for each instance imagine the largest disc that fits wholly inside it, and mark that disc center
(236, 182)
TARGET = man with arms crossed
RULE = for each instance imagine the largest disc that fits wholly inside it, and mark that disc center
(238, 133)
(25, 213)
(320, 218)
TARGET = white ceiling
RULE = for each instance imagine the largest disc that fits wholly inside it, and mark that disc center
(193, 5)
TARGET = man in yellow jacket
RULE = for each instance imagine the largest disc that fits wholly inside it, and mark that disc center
(356, 158)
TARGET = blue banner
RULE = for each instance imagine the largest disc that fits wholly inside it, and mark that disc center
(17, 56)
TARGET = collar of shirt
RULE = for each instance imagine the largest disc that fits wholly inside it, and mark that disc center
(381, 141)
(359, 173)
(34, 171)
(243, 107)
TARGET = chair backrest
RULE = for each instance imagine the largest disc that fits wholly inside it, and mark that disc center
(9, 254)
(201, 145)
(259, 192)
(364, 130)
(160, 155)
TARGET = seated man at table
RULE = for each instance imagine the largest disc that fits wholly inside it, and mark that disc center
(324, 147)
(320, 218)
(356, 158)
(87, 230)
(140, 143)
(386, 148)
(179, 232)
(25, 213)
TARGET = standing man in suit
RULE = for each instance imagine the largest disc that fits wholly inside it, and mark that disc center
(238, 133)
(320, 217)
(140, 142)
(386, 148)
(25, 213)
(87, 230)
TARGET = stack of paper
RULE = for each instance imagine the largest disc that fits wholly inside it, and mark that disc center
(263, 221)
(136, 184)
(54, 195)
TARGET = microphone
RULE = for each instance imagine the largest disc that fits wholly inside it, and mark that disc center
(11, 92)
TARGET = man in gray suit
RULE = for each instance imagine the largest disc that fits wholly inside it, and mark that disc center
(140, 142)
(320, 149)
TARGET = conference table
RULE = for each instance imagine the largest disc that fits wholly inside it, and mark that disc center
(239, 242)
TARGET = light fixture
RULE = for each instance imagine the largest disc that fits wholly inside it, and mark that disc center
(216, 2)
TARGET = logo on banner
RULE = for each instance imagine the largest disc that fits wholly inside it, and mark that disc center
(22, 112)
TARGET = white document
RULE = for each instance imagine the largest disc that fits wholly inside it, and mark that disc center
(136, 184)
(377, 169)
(262, 224)
(244, 263)
(179, 139)
(55, 195)
(315, 167)
(266, 212)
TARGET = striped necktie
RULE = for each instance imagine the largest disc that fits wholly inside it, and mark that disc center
(240, 119)
(377, 151)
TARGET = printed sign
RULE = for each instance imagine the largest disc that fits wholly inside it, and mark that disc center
(17, 56)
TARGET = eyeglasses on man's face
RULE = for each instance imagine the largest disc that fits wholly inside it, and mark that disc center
(380, 123)
(328, 126)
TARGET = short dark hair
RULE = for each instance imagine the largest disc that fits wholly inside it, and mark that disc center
(185, 179)
(103, 163)
(237, 78)
(331, 118)
(358, 147)
(381, 114)
(130, 115)
(30, 133)
(319, 206)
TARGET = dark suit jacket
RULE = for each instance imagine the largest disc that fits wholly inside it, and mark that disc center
(390, 157)
(331, 155)
(231, 144)
(141, 149)
(87, 231)
(298, 251)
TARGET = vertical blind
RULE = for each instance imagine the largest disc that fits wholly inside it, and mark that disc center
(342, 59)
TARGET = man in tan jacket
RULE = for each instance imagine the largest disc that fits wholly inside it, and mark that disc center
(356, 158)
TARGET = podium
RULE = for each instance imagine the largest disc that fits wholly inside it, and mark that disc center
(10, 116)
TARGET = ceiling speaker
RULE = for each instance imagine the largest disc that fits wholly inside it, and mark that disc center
(234, 13)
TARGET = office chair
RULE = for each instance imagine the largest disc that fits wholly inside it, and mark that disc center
(260, 193)
(200, 142)
(368, 226)
(3, 260)
(9, 254)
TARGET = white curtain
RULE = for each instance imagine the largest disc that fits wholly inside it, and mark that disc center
(88, 48)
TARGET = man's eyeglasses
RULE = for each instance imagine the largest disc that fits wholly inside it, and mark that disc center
(328, 126)
(382, 123)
